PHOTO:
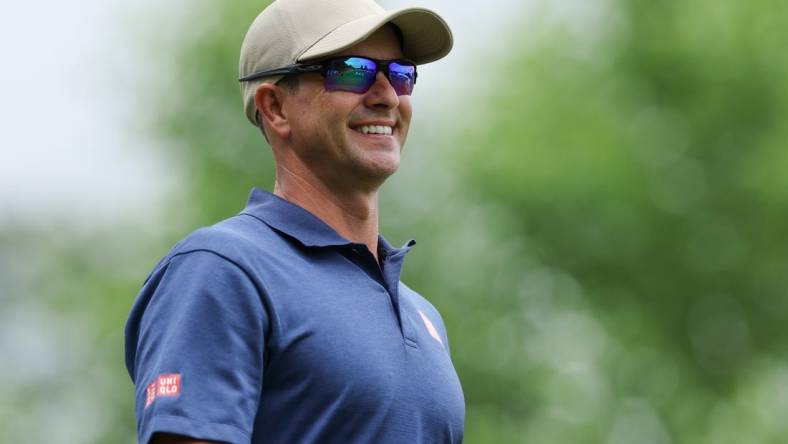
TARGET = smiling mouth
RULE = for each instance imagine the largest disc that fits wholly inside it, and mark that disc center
(374, 130)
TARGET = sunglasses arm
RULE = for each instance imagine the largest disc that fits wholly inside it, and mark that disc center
(292, 69)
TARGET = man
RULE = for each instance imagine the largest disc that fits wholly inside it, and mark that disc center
(288, 323)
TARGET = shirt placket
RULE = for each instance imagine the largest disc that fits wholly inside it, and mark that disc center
(387, 274)
(392, 267)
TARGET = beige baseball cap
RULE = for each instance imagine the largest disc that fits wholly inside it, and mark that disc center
(296, 31)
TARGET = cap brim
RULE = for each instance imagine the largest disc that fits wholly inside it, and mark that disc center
(427, 37)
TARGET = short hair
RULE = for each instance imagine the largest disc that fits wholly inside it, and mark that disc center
(289, 82)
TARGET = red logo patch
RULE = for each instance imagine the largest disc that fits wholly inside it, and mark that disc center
(165, 386)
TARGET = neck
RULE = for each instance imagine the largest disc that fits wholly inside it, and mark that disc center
(353, 213)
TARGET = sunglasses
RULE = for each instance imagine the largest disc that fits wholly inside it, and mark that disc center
(352, 73)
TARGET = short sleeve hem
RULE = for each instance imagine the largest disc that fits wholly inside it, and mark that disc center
(178, 425)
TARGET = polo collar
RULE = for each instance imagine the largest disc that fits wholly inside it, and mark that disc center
(298, 223)
(389, 252)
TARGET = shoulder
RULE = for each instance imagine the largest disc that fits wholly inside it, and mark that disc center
(204, 278)
(231, 237)
(216, 259)
(236, 240)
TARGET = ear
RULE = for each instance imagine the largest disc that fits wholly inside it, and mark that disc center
(269, 99)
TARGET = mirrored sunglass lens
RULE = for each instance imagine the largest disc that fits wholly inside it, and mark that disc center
(353, 74)
(402, 78)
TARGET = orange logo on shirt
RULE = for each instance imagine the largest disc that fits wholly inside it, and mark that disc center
(165, 386)
(430, 327)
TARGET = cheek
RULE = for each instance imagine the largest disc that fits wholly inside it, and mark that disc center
(335, 113)
(405, 109)
(405, 114)
(314, 121)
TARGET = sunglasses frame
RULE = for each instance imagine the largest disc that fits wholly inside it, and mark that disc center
(323, 66)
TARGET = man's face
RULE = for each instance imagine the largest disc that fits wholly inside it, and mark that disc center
(325, 125)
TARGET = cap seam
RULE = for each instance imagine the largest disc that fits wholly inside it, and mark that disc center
(370, 32)
(298, 56)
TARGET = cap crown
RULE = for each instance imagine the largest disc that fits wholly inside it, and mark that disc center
(288, 28)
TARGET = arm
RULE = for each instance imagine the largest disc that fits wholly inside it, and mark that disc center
(195, 348)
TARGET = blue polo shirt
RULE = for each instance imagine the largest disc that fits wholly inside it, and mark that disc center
(269, 327)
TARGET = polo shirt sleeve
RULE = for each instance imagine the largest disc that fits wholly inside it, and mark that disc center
(195, 344)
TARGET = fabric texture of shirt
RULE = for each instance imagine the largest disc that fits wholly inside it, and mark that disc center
(269, 327)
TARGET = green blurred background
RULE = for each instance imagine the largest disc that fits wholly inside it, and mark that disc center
(600, 195)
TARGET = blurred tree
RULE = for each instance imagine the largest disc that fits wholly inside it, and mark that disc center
(202, 116)
(637, 150)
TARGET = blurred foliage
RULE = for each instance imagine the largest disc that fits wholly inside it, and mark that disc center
(641, 163)
(221, 153)
(600, 216)
(64, 299)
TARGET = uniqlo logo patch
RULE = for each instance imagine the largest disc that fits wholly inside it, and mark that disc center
(165, 386)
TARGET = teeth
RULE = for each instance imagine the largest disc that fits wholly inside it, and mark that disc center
(376, 129)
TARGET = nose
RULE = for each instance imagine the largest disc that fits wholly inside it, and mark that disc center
(381, 94)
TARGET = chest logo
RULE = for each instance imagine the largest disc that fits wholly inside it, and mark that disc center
(430, 328)
(165, 386)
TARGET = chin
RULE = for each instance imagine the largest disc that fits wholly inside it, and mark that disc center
(386, 161)
(380, 167)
